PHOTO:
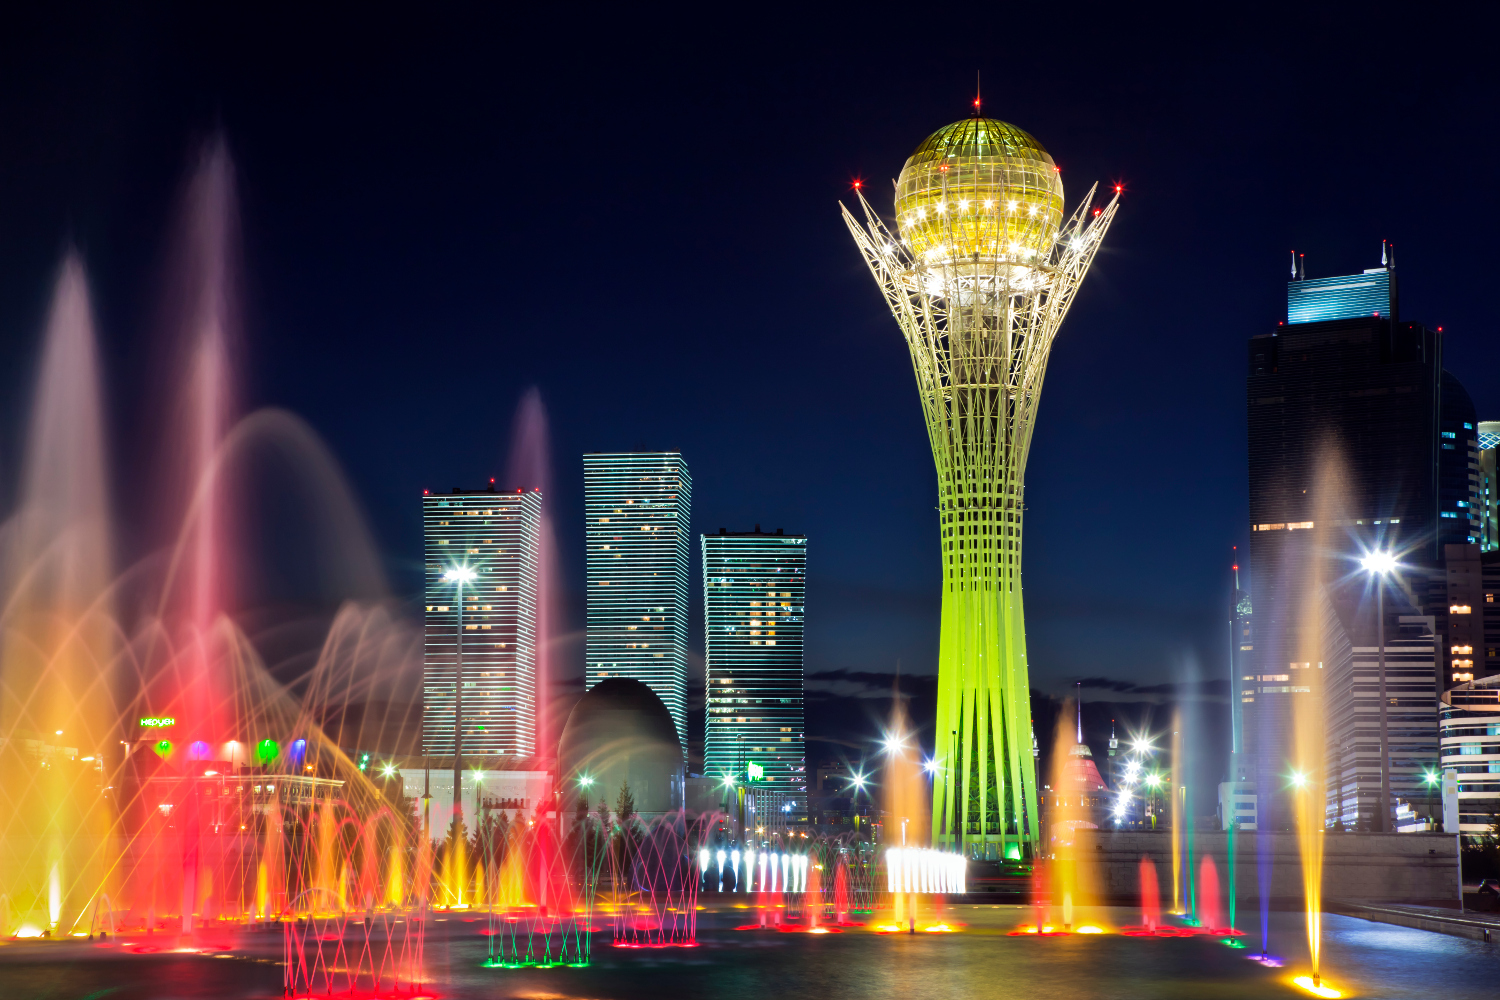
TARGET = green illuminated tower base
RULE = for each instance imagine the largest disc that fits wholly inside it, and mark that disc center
(979, 276)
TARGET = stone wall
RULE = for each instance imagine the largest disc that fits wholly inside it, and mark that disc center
(1386, 867)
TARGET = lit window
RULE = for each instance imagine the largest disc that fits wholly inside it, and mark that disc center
(1460, 609)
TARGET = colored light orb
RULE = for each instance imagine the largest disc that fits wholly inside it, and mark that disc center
(1299, 779)
(1378, 562)
(266, 751)
(198, 750)
(1089, 929)
(1316, 988)
(299, 750)
(979, 187)
(163, 748)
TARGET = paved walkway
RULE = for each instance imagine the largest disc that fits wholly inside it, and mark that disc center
(1469, 924)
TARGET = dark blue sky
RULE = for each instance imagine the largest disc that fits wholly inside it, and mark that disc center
(637, 213)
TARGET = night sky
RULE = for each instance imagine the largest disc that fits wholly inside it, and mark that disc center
(636, 213)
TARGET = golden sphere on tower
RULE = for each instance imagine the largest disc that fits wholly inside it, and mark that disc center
(979, 189)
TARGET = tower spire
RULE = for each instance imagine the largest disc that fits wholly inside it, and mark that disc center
(1079, 700)
(976, 94)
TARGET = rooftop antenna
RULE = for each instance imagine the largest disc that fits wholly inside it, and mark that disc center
(976, 93)
(1294, 265)
(1393, 256)
(1236, 566)
(1080, 712)
(1382, 254)
(1302, 264)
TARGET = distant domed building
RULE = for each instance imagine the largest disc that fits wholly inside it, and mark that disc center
(620, 732)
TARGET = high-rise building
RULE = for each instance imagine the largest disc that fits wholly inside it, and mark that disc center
(1470, 739)
(1460, 496)
(1413, 655)
(638, 507)
(1242, 682)
(488, 620)
(1465, 601)
(979, 273)
(754, 589)
(1348, 406)
(1489, 488)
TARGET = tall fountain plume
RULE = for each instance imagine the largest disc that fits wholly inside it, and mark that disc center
(530, 468)
(906, 803)
(57, 714)
(1309, 749)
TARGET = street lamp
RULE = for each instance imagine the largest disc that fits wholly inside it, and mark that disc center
(1378, 564)
(458, 576)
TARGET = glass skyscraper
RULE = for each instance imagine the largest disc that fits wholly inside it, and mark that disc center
(638, 509)
(754, 585)
(494, 535)
(1358, 441)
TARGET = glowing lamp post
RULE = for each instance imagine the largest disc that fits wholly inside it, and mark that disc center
(1378, 564)
(458, 576)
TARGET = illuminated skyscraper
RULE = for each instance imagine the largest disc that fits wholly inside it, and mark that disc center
(638, 507)
(1359, 441)
(494, 535)
(1489, 485)
(979, 275)
(754, 585)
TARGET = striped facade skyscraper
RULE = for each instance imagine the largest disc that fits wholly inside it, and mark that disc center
(638, 508)
(495, 536)
(754, 586)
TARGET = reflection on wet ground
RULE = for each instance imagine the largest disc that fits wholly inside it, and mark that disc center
(982, 960)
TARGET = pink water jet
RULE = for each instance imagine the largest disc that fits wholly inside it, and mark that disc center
(1210, 917)
(1150, 897)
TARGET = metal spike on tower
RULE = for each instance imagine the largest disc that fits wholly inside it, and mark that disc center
(979, 275)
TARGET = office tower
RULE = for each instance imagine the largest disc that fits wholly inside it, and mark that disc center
(638, 507)
(979, 275)
(1347, 405)
(1242, 681)
(1413, 655)
(1489, 489)
(1470, 747)
(1465, 601)
(1460, 496)
(489, 620)
(754, 585)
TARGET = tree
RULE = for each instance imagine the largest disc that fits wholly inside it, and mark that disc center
(624, 806)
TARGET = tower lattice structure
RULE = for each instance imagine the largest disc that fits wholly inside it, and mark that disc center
(979, 274)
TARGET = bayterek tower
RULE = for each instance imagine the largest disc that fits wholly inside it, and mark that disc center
(979, 270)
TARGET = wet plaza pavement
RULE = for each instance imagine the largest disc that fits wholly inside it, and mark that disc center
(982, 959)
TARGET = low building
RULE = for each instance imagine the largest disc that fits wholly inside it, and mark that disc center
(1470, 745)
(521, 788)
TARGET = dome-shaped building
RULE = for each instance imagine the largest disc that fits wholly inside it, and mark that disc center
(619, 733)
